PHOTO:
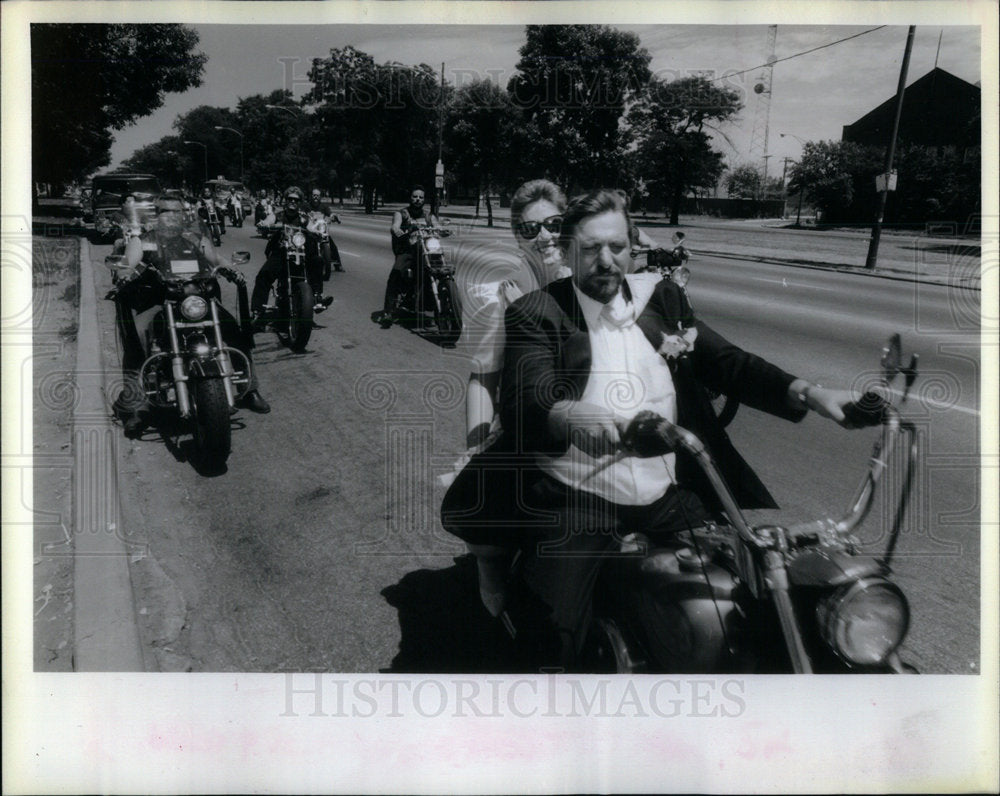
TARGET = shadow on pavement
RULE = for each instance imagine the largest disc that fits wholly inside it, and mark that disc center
(444, 627)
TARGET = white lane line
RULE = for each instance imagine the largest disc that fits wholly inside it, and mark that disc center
(940, 405)
(786, 283)
(349, 254)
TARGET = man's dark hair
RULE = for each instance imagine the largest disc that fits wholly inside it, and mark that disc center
(417, 188)
(592, 203)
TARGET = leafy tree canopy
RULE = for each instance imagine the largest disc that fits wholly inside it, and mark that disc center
(89, 80)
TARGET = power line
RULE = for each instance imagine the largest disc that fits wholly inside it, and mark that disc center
(797, 55)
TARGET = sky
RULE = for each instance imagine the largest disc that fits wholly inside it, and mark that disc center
(812, 96)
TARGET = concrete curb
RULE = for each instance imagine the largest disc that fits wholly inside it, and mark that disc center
(106, 632)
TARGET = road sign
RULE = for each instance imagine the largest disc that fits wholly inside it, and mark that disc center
(880, 182)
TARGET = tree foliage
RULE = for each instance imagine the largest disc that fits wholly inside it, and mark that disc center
(481, 121)
(573, 85)
(376, 117)
(674, 150)
(89, 80)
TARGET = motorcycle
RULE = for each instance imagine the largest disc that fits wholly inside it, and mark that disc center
(290, 310)
(188, 366)
(736, 598)
(319, 226)
(209, 214)
(672, 264)
(235, 211)
(437, 276)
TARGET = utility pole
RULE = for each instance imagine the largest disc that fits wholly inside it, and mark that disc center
(439, 168)
(889, 155)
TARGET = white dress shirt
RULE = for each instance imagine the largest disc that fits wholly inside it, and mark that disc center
(626, 375)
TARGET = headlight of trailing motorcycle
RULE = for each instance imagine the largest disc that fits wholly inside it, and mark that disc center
(321, 227)
(865, 621)
(298, 239)
(194, 308)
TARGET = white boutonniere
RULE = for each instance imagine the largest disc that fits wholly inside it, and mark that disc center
(676, 345)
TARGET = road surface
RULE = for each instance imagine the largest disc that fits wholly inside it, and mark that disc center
(319, 548)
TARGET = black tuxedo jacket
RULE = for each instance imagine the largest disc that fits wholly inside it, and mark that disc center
(548, 358)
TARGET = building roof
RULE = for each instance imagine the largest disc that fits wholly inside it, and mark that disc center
(939, 109)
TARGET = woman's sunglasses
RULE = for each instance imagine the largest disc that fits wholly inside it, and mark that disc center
(529, 229)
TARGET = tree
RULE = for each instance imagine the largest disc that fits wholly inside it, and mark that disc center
(744, 182)
(838, 177)
(221, 155)
(572, 86)
(478, 136)
(162, 158)
(89, 80)
(365, 110)
(674, 150)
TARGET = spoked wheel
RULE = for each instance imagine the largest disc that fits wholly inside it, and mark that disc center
(300, 316)
(213, 434)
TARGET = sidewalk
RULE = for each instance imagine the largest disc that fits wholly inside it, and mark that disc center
(902, 255)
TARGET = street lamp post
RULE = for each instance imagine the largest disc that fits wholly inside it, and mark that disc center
(230, 129)
(205, 150)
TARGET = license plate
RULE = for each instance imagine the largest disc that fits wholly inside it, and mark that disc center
(184, 266)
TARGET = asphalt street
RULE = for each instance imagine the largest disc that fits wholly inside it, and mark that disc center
(319, 547)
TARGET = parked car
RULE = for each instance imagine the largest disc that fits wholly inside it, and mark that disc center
(108, 191)
(221, 188)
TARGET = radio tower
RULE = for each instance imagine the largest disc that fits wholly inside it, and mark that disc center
(762, 117)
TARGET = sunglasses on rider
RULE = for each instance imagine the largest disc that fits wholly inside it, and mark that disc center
(529, 229)
(290, 200)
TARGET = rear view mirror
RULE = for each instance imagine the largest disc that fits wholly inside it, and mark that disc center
(892, 356)
(445, 222)
(241, 257)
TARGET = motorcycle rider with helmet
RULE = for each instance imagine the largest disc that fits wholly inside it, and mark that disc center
(403, 222)
(317, 205)
(136, 307)
(292, 213)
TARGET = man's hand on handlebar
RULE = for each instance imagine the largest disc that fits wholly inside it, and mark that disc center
(839, 406)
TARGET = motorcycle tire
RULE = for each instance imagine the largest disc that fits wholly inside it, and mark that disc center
(213, 434)
(300, 317)
(326, 255)
(448, 323)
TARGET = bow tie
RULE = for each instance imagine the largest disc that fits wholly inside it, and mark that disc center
(619, 312)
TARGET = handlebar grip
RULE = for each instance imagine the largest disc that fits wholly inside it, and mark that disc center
(868, 410)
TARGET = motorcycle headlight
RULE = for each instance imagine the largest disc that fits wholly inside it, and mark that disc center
(298, 239)
(865, 621)
(194, 308)
(321, 227)
(433, 245)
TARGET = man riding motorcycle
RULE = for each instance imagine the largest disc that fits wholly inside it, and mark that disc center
(135, 310)
(291, 214)
(403, 222)
(206, 197)
(317, 205)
